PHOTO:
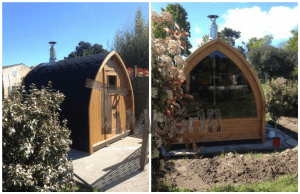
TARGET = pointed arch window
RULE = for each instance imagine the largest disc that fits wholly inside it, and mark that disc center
(217, 82)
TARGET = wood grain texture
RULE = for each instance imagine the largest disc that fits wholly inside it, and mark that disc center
(117, 68)
(239, 128)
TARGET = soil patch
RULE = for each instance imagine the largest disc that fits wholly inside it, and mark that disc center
(289, 122)
(198, 174)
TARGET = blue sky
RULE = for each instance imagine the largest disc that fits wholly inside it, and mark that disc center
(252, 19)
(28, 27)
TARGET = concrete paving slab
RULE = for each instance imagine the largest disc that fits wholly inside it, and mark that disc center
(114, 168)
(286, 142)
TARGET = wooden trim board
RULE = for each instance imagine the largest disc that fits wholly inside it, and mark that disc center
(111, 140)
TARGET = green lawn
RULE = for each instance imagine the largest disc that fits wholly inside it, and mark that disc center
(283, 184)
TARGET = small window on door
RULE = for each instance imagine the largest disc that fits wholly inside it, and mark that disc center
(112, 80)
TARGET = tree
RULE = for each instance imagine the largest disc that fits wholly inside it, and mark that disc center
(180, 16)
(281, 99)
(34, 142)
(229, 35)
(86, 49)
(255, 42)
(282, 45)
(204, 40)
(271, 62)
(167, 76)
(132, 43)
(292, 43)
(242, 50)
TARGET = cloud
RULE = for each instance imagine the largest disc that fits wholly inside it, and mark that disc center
(253, 22)
(198, 30)
(195, 43)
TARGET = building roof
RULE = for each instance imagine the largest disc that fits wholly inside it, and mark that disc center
(69, 77)
(9, 66)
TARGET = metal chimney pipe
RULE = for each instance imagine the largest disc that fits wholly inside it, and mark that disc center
(53, 58)
(213, 28)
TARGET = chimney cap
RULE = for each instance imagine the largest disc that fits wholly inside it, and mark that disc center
(52, 42)
(212, 16)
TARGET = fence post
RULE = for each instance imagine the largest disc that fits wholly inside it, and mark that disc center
(144, 149)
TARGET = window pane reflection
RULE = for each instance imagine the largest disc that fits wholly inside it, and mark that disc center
(222, 86)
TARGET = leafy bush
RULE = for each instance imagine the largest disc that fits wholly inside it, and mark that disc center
(282, 99)
(35, 142)
(271, 62)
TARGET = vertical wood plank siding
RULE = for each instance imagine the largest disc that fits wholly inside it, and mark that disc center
(114, 67)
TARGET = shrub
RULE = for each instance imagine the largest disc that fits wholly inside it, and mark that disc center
(271, 62)
(282, 99)
(35, 142)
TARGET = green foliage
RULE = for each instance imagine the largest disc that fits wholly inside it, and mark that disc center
(204, 40)
(86, 49)
(271, 62)
(281, 99)
(242, 50)
(181, 17)
(167, 188)
(292, 43)
(255, 42)
(229, 35)
(34, 142)
(132, 43)
(254, 155)
(283, 184)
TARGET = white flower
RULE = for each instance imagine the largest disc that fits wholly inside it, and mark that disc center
(168, 63)
(159, 46)
(167, 40)
(155, 17)
(179, 61)
(167, 16)
(174, 47)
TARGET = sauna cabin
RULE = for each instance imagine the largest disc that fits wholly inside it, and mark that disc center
(229, 103)
(98, 93)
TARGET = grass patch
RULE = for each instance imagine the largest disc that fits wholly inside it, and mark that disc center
(167, 188)
(258, 155)
(236, 154)
(283, 184)
(273, 153)
(222, 154)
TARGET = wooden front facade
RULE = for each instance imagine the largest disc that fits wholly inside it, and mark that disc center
(84, 106)
(113, 72)
(233, 127)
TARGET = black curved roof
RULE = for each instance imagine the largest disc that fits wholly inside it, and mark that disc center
(69, 77)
